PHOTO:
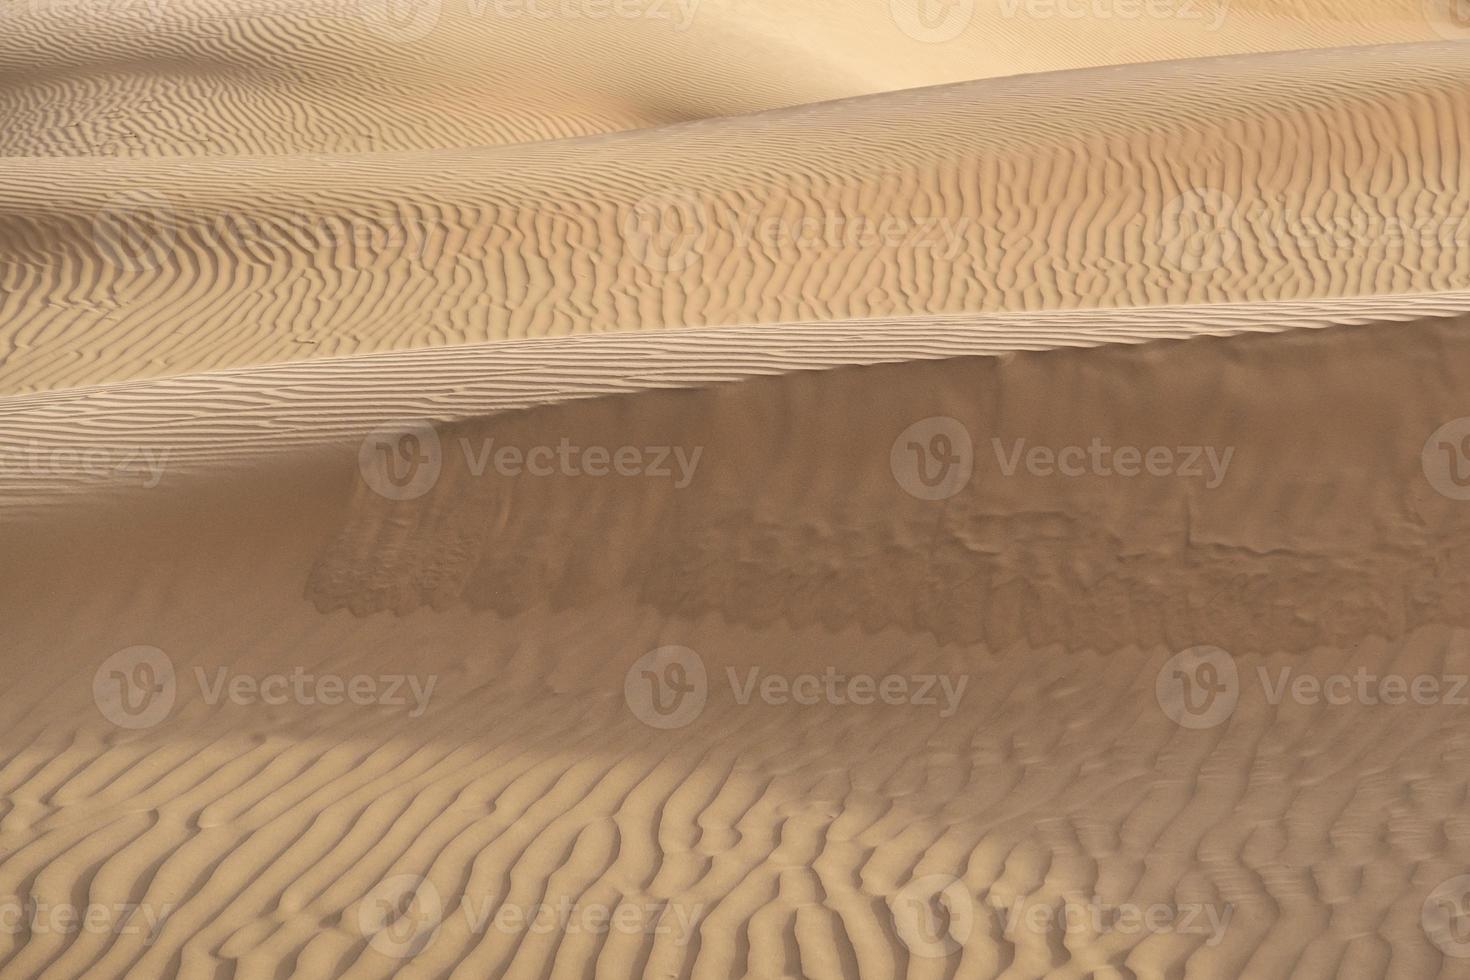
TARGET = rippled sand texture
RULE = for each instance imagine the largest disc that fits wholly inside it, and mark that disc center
(129, 78)
(761, 839)
(302, 681)
(1279, 176)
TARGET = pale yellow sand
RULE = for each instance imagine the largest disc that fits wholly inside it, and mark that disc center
(307, 678)
(1303, 175)
(123, 78)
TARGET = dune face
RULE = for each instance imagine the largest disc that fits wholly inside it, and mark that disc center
(713, 488)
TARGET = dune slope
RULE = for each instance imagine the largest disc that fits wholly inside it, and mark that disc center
(475, 821)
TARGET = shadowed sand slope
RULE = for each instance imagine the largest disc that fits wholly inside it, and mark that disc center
(1045, 773)
(1299, 175)
(190, 77)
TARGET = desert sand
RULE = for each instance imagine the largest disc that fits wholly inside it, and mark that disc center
(734, 489)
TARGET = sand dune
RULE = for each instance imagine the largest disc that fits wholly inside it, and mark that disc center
(716, 489)
(1308, 175)
(509, 775)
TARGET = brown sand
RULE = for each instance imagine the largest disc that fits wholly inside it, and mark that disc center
(1108, 426)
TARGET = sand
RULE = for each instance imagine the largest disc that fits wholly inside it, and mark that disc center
(798, 491)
